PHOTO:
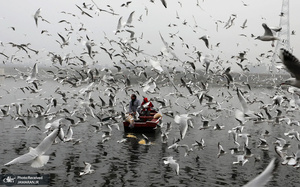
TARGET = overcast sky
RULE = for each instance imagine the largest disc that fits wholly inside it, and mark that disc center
(185, 18)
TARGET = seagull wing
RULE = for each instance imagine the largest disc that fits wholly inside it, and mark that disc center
(264, 177)
(34, 71)
(268, 31)
(119, 24)
(23, 158)
(243, 101)
(129, 20)
(164, 3)
(37, 15)
(291, 63)
(47, 142)
(204, 38)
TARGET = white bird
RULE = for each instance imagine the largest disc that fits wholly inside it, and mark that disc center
(220, 150)
(54, 125)
(263, 144)
(247, 112)
(172, 163)
(244, 24)
(129, 20)
(37, 154)
(205, 39)
(199, 144)
(119, 25)
(264, 177)
(87, 169)
(36, 16)
(164, 137)
(147, 141)
(164, 3)
(292, 64)
(241, 159)
(207, 59)
(89, 48)
(69, 135)
(183, 124)
(293, 134)
(156, 65)
(268, 35)
(32, 78)
(218, 127)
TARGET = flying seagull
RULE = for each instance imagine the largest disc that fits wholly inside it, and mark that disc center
(292, 64)
(36, 16)
(37, 154)
(268, 35)
(164, 3)
(264, 177)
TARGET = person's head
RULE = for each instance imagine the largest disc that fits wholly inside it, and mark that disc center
(133, 97)
(145, 100)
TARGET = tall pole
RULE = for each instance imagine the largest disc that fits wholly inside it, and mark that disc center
(284, 34)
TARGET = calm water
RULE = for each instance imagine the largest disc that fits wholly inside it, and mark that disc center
(134, 164)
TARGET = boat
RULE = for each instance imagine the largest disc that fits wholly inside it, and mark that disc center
(143, 123)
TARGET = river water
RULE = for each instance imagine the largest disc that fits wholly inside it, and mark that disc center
(134, 164)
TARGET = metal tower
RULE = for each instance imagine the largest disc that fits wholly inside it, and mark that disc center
(284, 34)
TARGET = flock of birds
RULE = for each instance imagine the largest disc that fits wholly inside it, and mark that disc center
(75, 72)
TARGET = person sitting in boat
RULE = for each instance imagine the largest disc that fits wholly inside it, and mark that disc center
(134, 105)
(146, 107)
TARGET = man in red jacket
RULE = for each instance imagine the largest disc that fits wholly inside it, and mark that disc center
(146, 107)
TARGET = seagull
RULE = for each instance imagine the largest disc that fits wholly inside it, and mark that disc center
(32, 78)
(263, 144)
(87, 169)
(241, 159)
(89, 48)
(119, 26)
(54, 125)
(164, 3)
(147, 141)
(200, 144)
(156, 65)
(205, 39)
(218, 127)
(187, 149)
(36, 16)
(245, 136)
(69, 135)
(129, 20)
(182, 121)
(174, 146)
(83, 12)
(264, 177)
(292, 64)
(220, 150)
(205, 124)
(268, 35)
(207, 60)
(244, 24)
(243, 101)
(293, 134)
(228, 76)
(37, 154)
(164, 137)
(172, 163)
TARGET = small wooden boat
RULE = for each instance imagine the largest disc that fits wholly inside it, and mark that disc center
(144, 123)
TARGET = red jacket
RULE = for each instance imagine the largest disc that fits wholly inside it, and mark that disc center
(148, 104)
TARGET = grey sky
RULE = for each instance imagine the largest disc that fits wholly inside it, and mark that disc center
(19, 14)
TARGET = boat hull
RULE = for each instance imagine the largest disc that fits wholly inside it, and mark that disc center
(145, 123)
